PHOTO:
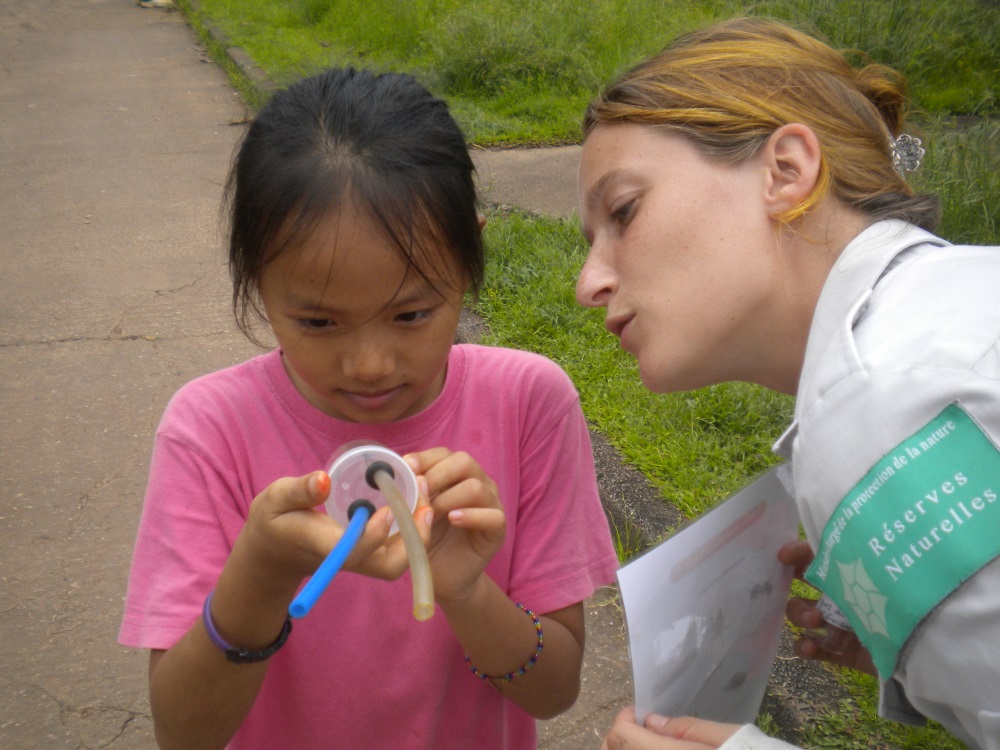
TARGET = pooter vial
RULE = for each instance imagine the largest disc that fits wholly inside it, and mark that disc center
(836, 632)
(365, 476)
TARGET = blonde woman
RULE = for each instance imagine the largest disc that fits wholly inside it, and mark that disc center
(745, 199)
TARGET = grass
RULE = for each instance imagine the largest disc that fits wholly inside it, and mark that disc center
(841, 729)
(962, 168)
(521, 73)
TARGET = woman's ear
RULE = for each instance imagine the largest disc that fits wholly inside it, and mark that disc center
(792, 158)
(482, 222)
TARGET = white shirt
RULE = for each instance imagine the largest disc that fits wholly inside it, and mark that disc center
(905, 325)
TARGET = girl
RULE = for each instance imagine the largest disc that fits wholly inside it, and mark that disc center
(744, 195)
(355, 235)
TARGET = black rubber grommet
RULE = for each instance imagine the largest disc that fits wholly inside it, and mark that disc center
(373, 469)
(360, 503)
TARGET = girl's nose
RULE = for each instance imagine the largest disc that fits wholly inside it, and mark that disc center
(370, 361)
(596, 282)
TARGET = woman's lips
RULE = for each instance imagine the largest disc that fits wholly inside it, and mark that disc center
(619, 326)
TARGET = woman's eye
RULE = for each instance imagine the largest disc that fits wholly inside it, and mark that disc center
(621, 214)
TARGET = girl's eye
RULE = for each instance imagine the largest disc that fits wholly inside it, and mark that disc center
(316, 324)
(413, 316)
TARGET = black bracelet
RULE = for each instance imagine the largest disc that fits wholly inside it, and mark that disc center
(242, 655)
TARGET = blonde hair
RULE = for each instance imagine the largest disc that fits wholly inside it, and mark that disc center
(728, 87)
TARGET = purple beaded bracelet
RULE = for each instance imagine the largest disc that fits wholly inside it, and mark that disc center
(241, 655)
(527, 665)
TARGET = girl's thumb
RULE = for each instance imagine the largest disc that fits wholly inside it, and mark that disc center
(317, 488)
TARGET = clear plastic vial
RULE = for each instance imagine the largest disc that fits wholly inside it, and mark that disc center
(836, 632)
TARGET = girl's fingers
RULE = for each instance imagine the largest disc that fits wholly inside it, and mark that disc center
(318, 487)
(447, 471)
(424, 460)
(375, 535)
(423, 493)
(296, 493)
(478, 519)
(378, 555)
(474, 492)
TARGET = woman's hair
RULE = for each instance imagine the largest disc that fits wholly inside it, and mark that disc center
(728, 87)
(381, 142)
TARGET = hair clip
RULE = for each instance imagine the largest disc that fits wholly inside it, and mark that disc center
(906, 153)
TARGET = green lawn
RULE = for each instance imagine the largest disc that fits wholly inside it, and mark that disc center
(522, 72)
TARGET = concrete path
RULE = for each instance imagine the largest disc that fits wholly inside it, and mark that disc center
(115, 138)
(113, 147)
(542, 180)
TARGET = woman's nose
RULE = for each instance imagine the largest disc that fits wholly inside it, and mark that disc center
(595, 283)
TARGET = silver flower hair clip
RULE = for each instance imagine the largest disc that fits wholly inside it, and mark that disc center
(906, 153)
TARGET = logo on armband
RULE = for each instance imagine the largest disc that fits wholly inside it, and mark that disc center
(920, 523)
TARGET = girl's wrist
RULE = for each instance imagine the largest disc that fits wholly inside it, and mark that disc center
(253, 565)
(250, 603)
(523, 668)
(240, 654)
(472, 598)
(243, 617)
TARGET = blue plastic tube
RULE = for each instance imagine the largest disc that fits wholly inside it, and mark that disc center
(316, 585)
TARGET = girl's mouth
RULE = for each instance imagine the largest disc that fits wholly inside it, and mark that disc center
(371, 400)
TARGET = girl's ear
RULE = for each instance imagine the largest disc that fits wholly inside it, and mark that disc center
(792, 159)
(482, 222)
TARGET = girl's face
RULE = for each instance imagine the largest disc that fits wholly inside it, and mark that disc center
(364, 338)
(683, 255)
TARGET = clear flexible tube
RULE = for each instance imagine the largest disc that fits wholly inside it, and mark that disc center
(420, 567)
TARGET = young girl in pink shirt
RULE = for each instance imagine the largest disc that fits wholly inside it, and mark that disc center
(355, 236)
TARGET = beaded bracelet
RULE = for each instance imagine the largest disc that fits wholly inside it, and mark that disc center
(241, 655)
(540, 643)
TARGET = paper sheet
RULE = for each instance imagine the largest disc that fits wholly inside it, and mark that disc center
(704, 608)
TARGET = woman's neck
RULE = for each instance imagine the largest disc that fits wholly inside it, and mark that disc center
(811, 249)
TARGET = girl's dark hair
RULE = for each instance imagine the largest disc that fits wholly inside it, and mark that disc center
(381, 141)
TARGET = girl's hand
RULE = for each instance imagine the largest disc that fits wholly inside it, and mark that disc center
(803, 613)
(661, 733)
(469, 522)
(286, 538)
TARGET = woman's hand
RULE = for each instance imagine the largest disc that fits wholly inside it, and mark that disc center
(803, 613)
(469, 522)
(661, 733)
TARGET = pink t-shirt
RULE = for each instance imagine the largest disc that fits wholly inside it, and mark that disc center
(359, 671)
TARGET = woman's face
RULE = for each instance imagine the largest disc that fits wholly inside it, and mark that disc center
(683, 254)
(364, 337)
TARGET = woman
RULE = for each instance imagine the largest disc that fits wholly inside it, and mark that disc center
(745, 200)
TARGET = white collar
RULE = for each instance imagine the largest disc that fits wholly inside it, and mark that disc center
(841, 303)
